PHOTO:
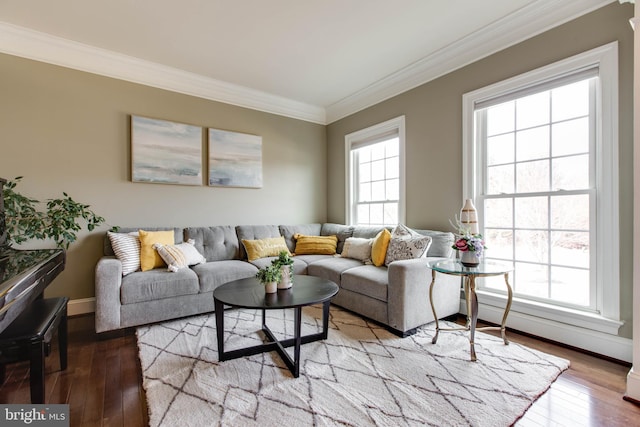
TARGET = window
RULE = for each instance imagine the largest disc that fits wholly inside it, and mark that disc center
(375, 174)
(541, 163)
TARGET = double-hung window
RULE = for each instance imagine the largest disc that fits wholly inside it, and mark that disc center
(375, 174)
(541, 162)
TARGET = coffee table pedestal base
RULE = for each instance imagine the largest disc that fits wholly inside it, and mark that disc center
(274, 344)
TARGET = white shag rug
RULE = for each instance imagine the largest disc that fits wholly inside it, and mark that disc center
(362, 375)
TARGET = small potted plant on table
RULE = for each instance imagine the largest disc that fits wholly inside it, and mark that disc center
(269, 276)
(285, 263)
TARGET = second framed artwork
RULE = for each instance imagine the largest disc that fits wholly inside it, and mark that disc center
(235, 159)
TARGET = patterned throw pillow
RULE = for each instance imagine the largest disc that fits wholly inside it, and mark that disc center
(357, 248)
(406, 244)
(179, 256)
(126, 246)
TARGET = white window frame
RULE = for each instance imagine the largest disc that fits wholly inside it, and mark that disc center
(607, 264)
(396, 125)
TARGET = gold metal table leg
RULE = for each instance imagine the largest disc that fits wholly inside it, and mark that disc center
(503, 329)
(473, 304)
(433, 307)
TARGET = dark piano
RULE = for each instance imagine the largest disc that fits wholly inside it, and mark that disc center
(24, 274)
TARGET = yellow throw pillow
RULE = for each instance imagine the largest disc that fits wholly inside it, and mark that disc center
(379, 247)
(315, 245)
(149, 257)
(262, 248)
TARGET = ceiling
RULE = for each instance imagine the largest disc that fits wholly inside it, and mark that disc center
(318, 60)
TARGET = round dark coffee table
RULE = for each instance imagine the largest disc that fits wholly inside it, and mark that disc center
(249, 293)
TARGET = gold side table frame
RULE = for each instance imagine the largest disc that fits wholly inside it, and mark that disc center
(469, 274)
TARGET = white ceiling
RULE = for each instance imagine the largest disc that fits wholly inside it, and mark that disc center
(319, 60)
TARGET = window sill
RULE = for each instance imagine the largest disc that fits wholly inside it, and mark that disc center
(564, 315)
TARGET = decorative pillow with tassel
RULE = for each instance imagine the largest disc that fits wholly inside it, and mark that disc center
(179, 256)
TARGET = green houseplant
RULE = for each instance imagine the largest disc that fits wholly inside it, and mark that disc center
(285, 263)
(269, 276)
(60, 220)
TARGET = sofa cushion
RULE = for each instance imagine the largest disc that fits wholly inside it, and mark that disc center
(441, 242)
(216, 273)
(254, 232)
(315, 245)
(149, 257)
(379, 247)
(366, 232)
(357, 248)
(299, 266)
(179, 256)
(332, 268)
(342, 231)
(106, 243)
(367, 280)
(406, 244)
(126, 247)
(157, 284)
(288, 231)
(215, 243)
(261, 248)
(310, 259)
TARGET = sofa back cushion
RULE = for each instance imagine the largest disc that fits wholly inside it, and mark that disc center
(215, 243)
(288, 231)
(441, 242)
(367, 232)
(106, 243)
(342, 231)
(254, 232)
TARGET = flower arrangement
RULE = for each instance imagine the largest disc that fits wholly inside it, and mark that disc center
(465, 241)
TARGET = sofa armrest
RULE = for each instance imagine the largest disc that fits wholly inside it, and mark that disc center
(108, 283)
(408, 294)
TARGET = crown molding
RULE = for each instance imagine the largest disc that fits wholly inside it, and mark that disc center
(521, 25)
(27, 43)
(508, 31)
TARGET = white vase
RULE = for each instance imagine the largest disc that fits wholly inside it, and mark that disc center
(271, 287)
(469, 258)
(285, 282)
(469, 216)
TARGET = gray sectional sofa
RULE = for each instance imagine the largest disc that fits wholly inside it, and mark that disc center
(396, 296)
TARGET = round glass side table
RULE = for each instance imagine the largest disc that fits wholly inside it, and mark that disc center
(484, 269)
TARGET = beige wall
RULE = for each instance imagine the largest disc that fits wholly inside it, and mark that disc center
(65, 130)
(434, 127)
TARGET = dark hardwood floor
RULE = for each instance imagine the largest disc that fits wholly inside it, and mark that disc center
(103, 387)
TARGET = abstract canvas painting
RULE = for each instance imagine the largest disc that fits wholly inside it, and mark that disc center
(235, 159)
(165, 152)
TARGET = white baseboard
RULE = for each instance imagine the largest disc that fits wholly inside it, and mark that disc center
(81, 306)
(633, 385)
(597, 342)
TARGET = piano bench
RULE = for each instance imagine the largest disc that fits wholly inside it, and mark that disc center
(28, 337)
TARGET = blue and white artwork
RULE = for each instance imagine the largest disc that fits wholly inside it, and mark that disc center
(165, 152)
(235, 159)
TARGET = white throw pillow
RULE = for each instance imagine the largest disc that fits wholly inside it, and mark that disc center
(357, 248)
(179, 256)
(126, 246)
(406, 244)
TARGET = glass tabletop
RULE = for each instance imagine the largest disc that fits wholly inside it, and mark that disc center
(453, 266)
